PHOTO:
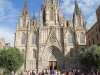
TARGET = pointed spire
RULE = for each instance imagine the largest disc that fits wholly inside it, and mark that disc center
(77, 10)
(43, 2)
(26, 2)
(34, 17)
(25, 7)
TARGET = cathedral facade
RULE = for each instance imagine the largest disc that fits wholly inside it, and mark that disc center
(56, 42)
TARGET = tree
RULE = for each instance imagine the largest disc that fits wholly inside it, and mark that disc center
(90, 57)
(11, 59)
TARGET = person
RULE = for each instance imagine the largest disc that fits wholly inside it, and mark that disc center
(65, 73)
(55, 72)
(33, 72)
(1, 71)
(28, 73)
(12, 73)
(48, 72)
(82, 73)
(71, 72)
(58, 73)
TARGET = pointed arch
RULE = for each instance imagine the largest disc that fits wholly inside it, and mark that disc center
(33, 39)
(34, 53)
(44, 17)
(70, 38)
(82, 38)
(23, 39)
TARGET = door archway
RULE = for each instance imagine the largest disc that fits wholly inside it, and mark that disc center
(53, 57)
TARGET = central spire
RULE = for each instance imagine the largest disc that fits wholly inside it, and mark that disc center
(50, 1)
(25, 7)
(34, 17)
(77, 10)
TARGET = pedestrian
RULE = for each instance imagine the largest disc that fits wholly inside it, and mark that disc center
(33, 72)
(12, 73)
(58, 73)
(71, 72)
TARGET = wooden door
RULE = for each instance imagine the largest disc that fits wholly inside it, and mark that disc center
(53, 65)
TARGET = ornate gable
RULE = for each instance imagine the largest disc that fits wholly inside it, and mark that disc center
(52, 39)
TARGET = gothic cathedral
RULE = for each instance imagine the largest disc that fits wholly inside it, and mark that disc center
(56, 42)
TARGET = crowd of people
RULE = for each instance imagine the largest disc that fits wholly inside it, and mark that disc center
(57, 72)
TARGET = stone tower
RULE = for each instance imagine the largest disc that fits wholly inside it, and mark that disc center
(51, 36)
(56, 43)
(26, 38)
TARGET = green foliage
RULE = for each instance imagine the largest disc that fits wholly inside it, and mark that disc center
(6, 72)
(11, 59)
(91, 57)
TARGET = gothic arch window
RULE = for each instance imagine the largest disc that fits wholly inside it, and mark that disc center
(23, 39)
(33, 39)
(44, 17)
(34, 53)
(82, 38)
(70, 38)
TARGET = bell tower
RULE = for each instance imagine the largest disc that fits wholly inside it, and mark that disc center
(78, 19)
(24, 17)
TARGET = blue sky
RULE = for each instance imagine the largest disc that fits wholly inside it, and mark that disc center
(10, 11)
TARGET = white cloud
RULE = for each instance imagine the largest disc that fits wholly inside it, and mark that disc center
(8, 35)
(8, 20)
(88, 8)
(91, 20)
(9, 15)
(7, 12)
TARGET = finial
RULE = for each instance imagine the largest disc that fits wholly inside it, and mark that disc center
(26, 6)
(34, 17)
(26, 2)
(77, 10)
(76, 4)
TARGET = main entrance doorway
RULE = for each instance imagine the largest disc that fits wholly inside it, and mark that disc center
(53, 65)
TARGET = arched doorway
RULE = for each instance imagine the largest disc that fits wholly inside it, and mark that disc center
(52, 58)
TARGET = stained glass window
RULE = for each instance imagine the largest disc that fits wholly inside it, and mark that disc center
(23, 40)
(34, 54)
(33, 39)
(70, 38)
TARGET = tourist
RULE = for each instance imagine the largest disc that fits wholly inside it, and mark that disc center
(58, 73)
(71, 72)
(12, 73)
